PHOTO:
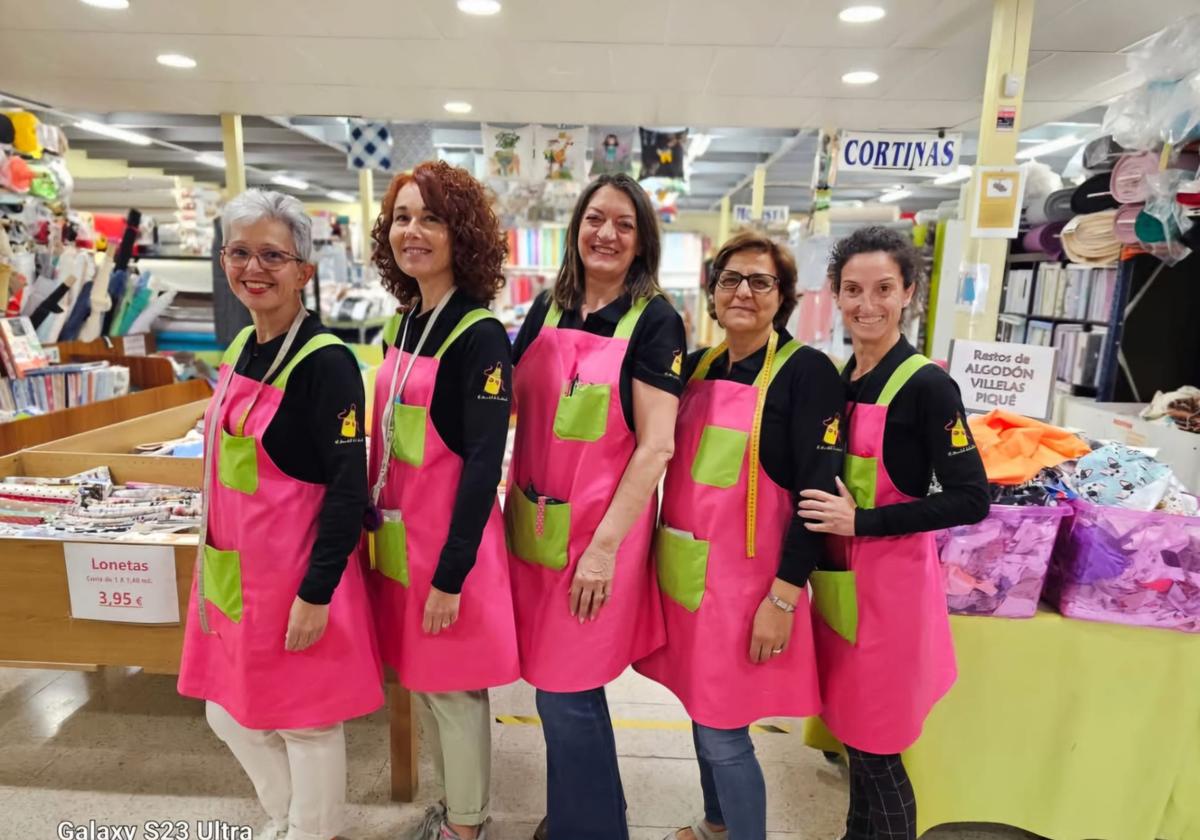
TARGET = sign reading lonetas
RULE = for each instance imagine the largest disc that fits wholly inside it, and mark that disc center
(872, 151)
(1015, 377)
(125, 583)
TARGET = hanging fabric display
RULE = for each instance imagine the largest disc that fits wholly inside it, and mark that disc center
(412, 143)
(370, 146)
(509, 152)
(612, 151)
(663, 153)
(561, 153)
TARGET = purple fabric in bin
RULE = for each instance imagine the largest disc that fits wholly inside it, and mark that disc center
(1128, 567)
(998, 566)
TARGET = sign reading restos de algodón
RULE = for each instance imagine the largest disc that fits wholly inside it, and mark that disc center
(1015, 377)
(877, 151)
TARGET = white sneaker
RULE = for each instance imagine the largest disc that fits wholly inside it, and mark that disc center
(274, 830)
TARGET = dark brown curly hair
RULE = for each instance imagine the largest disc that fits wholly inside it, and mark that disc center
(477, 246)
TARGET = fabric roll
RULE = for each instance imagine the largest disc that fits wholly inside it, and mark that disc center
(1129, 176)
(1090, 240)
(1047, 239)
(1057, 206)
(1102, 154)
(1149, 229)
(1123, 224)
(1094, 195)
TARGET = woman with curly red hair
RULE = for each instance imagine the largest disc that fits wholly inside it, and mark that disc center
(441, 593)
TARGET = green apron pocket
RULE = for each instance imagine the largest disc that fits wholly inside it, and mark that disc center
(718, 461)
(389, 548)
(836, 598)
(582, 412)
(860, 476)
(408, 433)
(237, 463)
(682, 562)
(223, 581)
(537, 528)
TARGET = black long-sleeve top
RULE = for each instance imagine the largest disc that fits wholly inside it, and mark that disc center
(305, 440)
(917, 445)
(800, 402)
(470, 421)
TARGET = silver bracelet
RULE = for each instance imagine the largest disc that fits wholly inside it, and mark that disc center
(779, 602)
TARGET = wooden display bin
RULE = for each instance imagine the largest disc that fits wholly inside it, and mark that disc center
(37, 629)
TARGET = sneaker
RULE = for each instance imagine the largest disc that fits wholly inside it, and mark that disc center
(274, 830)
(445, 832)
(428, 828)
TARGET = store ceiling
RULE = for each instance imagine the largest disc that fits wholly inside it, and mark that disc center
(748, 64)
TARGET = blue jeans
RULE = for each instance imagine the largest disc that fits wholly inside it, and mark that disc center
(584, 797)
(735, 794)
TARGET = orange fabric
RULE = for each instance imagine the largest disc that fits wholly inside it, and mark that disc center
(1016, 448)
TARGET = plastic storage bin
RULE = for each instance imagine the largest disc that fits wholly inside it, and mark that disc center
(1128, 567)
(998, 566)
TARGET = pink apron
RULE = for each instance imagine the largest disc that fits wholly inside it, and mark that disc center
(711, 587)
(480, 649)
(880, 687)
(261, 526)
(572, 447)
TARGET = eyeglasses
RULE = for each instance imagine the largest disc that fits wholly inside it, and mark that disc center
(729, 281)
(270, 259)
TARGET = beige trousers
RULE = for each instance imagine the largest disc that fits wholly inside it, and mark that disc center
(460, 723)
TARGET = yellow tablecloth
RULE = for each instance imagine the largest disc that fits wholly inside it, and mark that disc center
(1070, 729)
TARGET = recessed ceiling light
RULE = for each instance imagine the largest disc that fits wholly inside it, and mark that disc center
(345, 198)
(108, 4)
(181, 62)
(215, 161)
(860, 77)
(479, 7)
(294, 183)
(895, 195)
(113, 132)
(458, 107)
(861, 14)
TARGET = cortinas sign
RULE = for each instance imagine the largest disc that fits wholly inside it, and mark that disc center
(869, 151)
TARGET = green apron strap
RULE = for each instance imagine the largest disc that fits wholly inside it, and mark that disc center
(235, 348)
(629, 319)
(706, 361)
(314, 344)
(900, 377)
(469, 320)
(553, 315)
(781, 356)
(391, 330)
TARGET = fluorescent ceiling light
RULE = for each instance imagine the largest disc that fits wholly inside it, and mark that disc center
(180, 62)
(294, 183)
(108, 4)
(1030, 140)
(115, 133)
(960, 174)
(895, 195)
(861, 14)
(860, 77)
(345, 198)
(1076, 124)
(1049, 147)
(458, 107)
(479, 7)
(215, 161)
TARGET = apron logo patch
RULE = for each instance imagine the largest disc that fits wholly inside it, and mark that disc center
(677, 363)
(958, 434)
(349, 419)
(832, 439)
(493, 383)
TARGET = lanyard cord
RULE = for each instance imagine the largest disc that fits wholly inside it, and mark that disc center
(210, 441)
(396, 392)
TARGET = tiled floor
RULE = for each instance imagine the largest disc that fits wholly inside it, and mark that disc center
(121, 747)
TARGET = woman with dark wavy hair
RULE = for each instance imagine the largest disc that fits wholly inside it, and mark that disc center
(441, 593)
(597, 383)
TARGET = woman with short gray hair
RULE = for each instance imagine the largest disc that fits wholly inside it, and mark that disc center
(278, 639)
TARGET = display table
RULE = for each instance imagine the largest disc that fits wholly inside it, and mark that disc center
(1068, 729)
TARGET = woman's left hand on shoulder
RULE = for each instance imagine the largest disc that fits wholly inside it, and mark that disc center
(306, 625)
(827, 513)
(441, 611)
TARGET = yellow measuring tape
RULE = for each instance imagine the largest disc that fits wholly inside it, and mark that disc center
(760, 383)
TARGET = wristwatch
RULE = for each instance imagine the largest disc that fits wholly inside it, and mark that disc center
(779, 602)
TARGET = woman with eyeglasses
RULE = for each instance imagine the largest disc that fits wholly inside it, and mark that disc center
(440, 580)
(597, 383)
(758, 422)
(278, 639)
(882, 635)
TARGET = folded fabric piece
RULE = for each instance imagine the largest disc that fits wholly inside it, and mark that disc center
(1094, 194)
(1090, 239)
(1057, 206)
(1124, 222)
(1119, 476)
(1014, 448)
(1046, 238)
(1162, 401)
(1101, 154)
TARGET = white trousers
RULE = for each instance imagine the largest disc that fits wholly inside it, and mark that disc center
(299, 774)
